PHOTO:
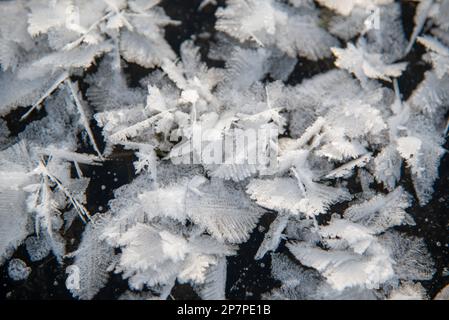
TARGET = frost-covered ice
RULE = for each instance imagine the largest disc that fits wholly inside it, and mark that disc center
(18, 270)
(214, 149)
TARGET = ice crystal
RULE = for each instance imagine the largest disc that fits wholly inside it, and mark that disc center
(18, 270)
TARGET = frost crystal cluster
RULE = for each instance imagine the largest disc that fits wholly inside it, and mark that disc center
(348, 153)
